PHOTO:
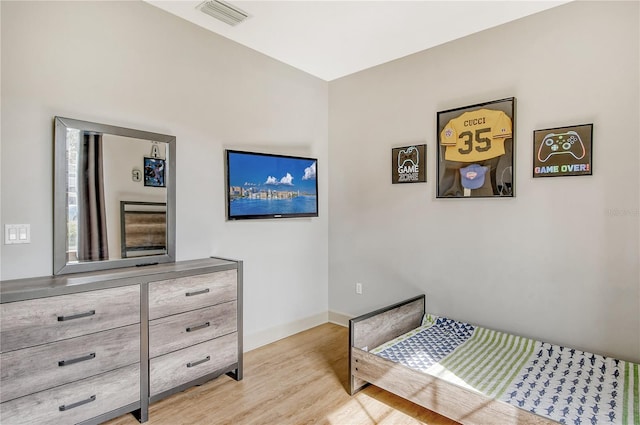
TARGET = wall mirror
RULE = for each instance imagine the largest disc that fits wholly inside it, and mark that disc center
(112, 186)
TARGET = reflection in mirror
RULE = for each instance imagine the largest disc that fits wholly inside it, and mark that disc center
(106, 176)
(143, 228)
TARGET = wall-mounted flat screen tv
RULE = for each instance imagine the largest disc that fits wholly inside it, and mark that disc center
(263, 185)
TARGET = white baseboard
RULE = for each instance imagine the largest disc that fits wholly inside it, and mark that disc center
(339, 318)
(258, 339)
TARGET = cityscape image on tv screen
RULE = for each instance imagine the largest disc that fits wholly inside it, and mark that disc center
(270, 186)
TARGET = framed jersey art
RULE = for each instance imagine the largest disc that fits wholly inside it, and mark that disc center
(475, 150)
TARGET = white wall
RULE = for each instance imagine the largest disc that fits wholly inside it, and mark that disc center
(133, 65)
(560, 261)
(557, 262)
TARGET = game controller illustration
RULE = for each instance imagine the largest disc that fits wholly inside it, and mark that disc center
(410, 154)
(562, 143)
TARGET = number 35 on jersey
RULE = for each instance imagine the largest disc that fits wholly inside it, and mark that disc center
(476, 136)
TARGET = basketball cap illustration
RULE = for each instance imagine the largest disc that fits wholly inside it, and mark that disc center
(473, 176)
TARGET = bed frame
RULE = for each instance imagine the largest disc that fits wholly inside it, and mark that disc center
(450, 400)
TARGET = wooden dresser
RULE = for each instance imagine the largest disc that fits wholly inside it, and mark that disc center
(89, 347)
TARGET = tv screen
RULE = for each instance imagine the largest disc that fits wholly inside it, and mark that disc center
(270, 186)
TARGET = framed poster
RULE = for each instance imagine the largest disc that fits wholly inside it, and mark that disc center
(409, 164)
(475, 150)
(154, 172)
(563, 151)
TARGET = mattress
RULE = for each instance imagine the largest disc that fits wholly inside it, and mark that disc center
(563, 384)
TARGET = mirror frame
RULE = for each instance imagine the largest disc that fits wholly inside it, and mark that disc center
(60, 264)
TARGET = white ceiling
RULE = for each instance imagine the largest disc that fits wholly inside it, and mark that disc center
(331, 39)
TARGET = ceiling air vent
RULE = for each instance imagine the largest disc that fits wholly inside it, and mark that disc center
(223, 11)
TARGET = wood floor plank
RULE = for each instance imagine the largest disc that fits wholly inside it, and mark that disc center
(302, 379)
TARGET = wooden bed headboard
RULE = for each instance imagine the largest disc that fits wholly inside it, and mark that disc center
(143, 228)
(372, 329)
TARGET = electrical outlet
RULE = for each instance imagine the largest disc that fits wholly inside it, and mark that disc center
(358, 288)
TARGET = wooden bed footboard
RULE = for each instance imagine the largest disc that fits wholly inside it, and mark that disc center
(460, 404)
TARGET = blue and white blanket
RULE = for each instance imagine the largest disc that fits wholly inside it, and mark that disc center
(563, 384)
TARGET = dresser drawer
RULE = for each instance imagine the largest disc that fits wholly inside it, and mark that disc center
(45, 366)
(180, 367)
(34, 322)
(174, 296)
(76, 402)
(182, 330)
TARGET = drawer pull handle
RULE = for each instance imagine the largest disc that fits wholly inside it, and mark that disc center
(77, 360)
(76, 404)
(195, 328)
(191, 294)
(192, 364)
(76, 316)
(202, 291)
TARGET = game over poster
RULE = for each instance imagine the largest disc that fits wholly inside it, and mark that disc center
(563, 151)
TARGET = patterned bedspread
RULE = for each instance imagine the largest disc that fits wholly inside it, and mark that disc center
(566, 385)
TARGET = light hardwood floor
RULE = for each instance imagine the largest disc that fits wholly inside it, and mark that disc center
(302, 379)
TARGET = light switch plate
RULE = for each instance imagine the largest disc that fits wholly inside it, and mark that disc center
(17, 233)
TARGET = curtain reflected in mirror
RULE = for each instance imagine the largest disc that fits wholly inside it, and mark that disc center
(92, 224)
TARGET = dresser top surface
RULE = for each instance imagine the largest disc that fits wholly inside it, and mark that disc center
(46, 286)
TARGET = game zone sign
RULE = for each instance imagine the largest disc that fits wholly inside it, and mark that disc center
(409, 164)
